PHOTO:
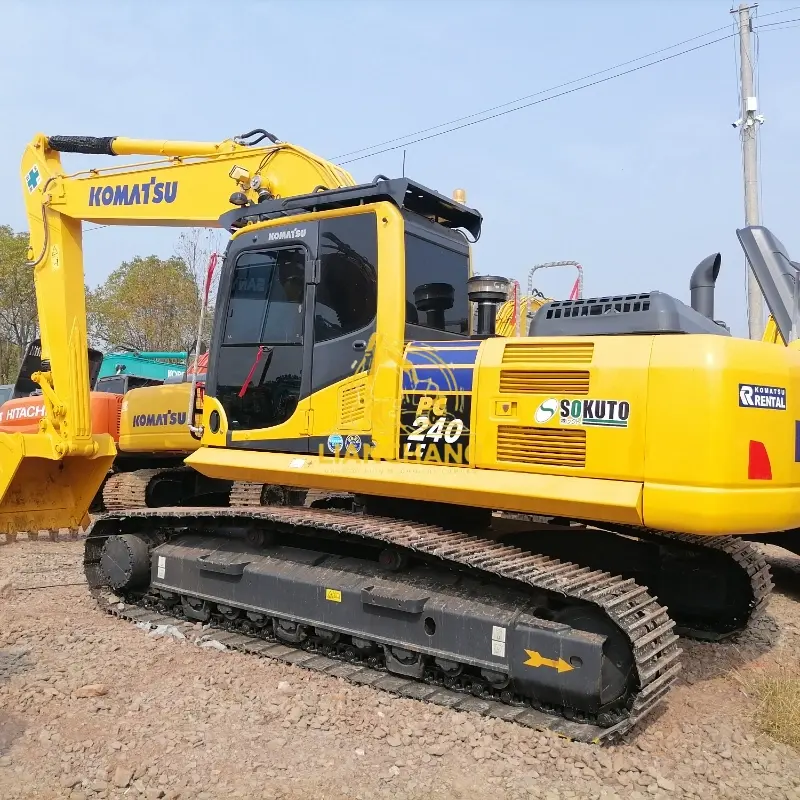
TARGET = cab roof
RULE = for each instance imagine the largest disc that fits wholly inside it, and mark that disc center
(403, 192)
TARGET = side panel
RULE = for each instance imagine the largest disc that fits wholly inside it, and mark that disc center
(23, 414)
(437, 402)
(563, 406)
(154, 419)
(721, 444)
(144, 367)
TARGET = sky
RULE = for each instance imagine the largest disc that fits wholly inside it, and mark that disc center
(638, 178)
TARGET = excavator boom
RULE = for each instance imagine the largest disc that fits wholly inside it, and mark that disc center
(48, 479)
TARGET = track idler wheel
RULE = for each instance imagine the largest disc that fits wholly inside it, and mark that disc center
(196, 608)
(497, 680)
(125, 562)
(256, 537)
(289, 631)
(618, 665)
(393, 560)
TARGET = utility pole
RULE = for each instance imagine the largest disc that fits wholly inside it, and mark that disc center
(749, 123)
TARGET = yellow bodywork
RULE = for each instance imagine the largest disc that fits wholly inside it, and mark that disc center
(682, 461)
(514, 322)
(47, 480)
(771, 332)
(154, 420)
(675, 467)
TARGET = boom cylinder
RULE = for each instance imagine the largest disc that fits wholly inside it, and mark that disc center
(122, 146)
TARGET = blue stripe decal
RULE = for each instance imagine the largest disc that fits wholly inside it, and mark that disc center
(437, 358)
(797, 441)
(442, 379)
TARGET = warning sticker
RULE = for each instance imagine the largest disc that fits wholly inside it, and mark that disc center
(498, 641)
(334, 595)
(162, 566)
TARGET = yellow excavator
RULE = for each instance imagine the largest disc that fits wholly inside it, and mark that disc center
(621, 434)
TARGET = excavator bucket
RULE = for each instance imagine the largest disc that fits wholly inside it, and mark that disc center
(43, 493)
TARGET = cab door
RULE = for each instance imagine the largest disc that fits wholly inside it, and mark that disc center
(344, 303)
(262, 364)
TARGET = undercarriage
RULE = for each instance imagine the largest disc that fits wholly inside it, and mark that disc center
(549, 623)
(449, 609)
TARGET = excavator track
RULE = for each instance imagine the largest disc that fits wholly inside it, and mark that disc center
(246, 495)
(713, 585)
(128, 489)
(747, 558)
(255, 495)
(636, 617)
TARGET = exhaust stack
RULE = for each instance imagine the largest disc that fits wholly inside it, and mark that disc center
(488, 291)
(702, 283)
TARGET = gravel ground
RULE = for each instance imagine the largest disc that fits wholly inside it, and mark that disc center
(92, 707)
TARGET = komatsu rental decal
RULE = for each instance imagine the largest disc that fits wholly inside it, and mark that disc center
(753, 396)
(595, 413)
(136, 194)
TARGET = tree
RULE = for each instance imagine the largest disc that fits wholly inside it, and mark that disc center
(18, 317)
(196, 246)
(146, 304)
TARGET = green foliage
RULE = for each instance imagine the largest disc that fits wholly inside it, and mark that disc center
(146, 304)
(18, 319)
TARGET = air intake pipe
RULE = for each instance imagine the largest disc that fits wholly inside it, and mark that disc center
(702, 283)
(488, 291)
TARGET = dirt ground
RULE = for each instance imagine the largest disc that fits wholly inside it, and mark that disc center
(92, 707)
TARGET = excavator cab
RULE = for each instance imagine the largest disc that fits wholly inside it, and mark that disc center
(299, 303)
(31, 364)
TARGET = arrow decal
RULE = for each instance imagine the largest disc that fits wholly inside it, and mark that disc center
(536, 659)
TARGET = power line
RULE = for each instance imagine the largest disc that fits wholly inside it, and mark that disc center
(780, 28)
(542, 100)
(782, 11)
(778, 22)
(470, 119)
(529, 96)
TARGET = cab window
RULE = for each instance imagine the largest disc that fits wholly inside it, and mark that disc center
(266, 301)
(347, 295)
(436, 286)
